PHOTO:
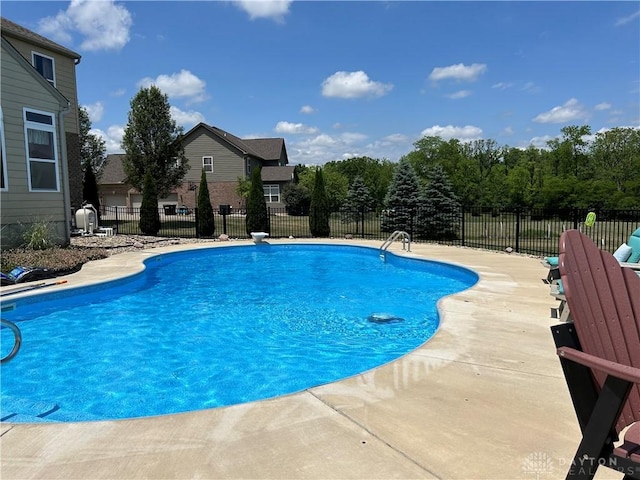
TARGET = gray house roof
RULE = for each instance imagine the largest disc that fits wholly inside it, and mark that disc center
(113, 172)
(277, 174)
(11, 29)
(260, 148)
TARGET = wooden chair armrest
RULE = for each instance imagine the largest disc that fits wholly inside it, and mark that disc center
(618, 370)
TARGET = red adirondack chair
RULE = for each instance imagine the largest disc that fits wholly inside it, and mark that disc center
(600, 356)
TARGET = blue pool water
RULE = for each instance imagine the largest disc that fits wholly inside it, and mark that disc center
(220, 326)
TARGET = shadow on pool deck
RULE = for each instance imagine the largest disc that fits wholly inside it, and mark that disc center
(483, 399)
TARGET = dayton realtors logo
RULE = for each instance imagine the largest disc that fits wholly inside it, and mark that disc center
(539, 465)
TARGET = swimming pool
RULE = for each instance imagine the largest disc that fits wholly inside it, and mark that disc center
(219, 326)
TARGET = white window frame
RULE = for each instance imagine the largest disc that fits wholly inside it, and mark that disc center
(29, 124)
(269, 194)
(52, 80)
(4, 186)
(207, 163)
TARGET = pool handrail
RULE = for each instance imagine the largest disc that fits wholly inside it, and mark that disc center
(17, 336)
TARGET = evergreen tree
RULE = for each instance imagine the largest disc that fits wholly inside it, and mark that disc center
(153, 143)
(439, 215)
(149, 215)
(402, 199)
(90, 190)
(206, 221)
(358, 202)
(257, 216)
(319, 208)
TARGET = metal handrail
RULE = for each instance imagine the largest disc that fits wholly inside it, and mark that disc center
(17, 335)
(406, 238)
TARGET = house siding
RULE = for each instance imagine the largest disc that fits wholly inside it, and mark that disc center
(66, 84)
(20, 207)
(228, 163)
(65, 77)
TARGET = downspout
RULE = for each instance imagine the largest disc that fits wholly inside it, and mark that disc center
(64, 184)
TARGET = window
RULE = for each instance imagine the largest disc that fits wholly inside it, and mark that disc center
(248, 167)
(271, 193)
(207, 164)
(3, 156)
(45, 66)
(42, 156)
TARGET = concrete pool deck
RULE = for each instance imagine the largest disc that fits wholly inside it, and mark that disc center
(483, 399)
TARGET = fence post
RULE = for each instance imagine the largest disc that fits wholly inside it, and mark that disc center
(117, 228)
(462, 227)
(195, 216)
(517, 247)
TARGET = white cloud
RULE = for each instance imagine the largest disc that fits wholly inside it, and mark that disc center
(465, 134)
(95, 111)
(530, 87)
(273, 9)
(507, 131)
(459, 94)
(307, 109)
(627, 19)
(112, 138)
(353, 85)
(102, 24)
(571, 110)
(540, 142)
(118, 93)
(179, 85)
(458, 72)
(294, 128)
(186, 119)
(396, 138)
(602, 106)
(502, 85)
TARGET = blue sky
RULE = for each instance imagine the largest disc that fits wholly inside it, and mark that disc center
(338, 79)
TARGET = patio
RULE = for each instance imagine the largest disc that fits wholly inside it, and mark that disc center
(485, 398)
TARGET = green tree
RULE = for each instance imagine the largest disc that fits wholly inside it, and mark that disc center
(92, 147)
(153, 143)
(297, 199)
(616, 154)
(149, 215)
(92, 157)
(257, 219)
(402, 199)
(206, 221)
(439, 214)
(375, 173)
(319, 208)
(358, 202)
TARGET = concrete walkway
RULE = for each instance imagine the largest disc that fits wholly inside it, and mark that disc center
(483, 399)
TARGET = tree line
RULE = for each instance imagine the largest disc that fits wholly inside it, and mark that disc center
(575, 170)
(571, 172)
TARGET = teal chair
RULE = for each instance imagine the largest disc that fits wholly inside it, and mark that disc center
(628, 254)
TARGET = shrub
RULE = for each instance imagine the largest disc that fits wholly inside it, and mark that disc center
(149, 215)
(38, 236)
(257, 219)
(206, 223)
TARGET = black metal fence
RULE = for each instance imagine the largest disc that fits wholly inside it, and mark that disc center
(531, 231)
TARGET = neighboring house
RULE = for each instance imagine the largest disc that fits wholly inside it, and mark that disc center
(224, 157)
(41, 173)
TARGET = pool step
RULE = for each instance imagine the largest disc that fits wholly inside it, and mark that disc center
(14, 408)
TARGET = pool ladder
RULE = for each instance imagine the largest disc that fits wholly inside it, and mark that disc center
(17, 339)
(406, 240)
